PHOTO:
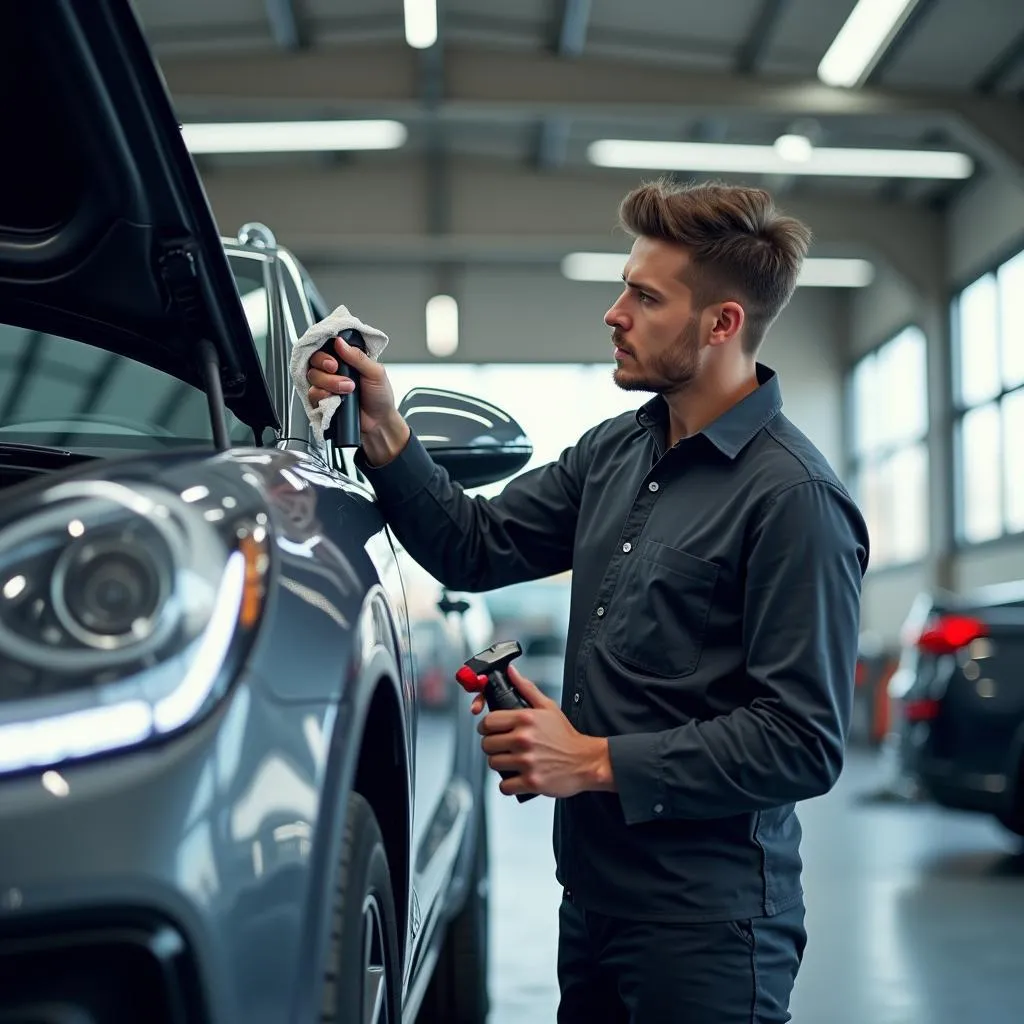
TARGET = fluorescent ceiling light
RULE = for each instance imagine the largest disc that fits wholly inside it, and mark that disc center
(725, 158)
(293, 136)
(816, 272)
(794, 148)
(594, 266)
(835, 273)
(862, 40)
(442, 325)
(421, 23)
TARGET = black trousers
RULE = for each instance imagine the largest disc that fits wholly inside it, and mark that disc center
(614, 971)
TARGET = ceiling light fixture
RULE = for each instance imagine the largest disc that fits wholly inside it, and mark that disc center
(860, 43)
(817, 272)
(835, 273)
(726, 158)
(292, 136)
(421, 23)
(442, 326)
(794, 148)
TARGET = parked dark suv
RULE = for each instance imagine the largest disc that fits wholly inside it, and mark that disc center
(958, 701)
(221, 799)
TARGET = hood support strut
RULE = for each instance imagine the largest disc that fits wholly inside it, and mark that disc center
(178, 269)
(209, 365)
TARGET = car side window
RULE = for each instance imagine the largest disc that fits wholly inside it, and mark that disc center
(299, 313)
(300, 317)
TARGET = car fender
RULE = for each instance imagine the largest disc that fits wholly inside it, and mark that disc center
(371, 673)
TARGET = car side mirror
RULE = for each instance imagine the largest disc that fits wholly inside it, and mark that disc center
(449, 605)
(476, 442)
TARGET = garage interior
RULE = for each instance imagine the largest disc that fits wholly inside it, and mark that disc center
(506, 135)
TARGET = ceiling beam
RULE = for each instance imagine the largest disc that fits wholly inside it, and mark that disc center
(485, 85)
(995, 137)
(760, 35)
(908, 28)
(572, 28)
(570, 39)
(432, 71)
(284, 24)
(488, 84)
(1002, 67)
(553, 136)
(380, 215)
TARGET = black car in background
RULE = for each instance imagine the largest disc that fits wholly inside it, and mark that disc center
(958, 701)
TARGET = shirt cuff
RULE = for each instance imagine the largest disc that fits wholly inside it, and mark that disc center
(636, 769)
(405, 476)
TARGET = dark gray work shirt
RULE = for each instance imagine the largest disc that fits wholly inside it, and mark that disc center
(712, 638)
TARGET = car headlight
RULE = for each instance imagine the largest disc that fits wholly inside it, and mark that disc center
(123, 609)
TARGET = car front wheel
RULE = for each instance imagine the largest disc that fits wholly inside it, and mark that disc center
(362, 976)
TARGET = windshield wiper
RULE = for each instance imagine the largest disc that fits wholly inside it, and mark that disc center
(33, 454)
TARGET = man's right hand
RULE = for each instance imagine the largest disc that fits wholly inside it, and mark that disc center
(385, 432)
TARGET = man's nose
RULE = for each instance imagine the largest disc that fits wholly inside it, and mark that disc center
(616, 317)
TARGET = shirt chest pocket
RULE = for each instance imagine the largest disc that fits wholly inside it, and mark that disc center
(660, 609)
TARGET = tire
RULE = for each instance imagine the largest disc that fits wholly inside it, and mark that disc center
(362, 978)
(458, 991)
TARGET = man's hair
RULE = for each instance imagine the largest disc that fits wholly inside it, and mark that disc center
(739, 245)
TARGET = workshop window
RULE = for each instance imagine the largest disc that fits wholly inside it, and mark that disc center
(888, 448)
(988, 382)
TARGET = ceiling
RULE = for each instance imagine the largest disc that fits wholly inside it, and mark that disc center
(525, 87)
(948, 44)
(252, 54)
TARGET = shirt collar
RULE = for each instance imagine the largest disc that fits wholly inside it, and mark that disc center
(736, 427)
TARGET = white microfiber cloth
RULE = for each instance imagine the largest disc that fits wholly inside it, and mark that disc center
(330, 327)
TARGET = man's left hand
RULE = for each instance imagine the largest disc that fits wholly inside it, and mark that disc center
(539, 743)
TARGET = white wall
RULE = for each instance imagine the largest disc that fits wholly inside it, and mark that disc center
(879, 311)
(986, 225)
(533, 315)
(983, 226)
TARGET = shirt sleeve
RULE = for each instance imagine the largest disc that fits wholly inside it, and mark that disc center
(801, 623)
(473, 543)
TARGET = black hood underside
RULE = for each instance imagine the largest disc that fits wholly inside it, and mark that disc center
(106, 235)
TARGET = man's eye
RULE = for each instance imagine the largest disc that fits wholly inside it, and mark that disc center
(644, 297)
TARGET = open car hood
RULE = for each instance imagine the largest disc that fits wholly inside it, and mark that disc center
(106, 235)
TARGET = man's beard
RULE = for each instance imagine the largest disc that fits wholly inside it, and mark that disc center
(668, 371)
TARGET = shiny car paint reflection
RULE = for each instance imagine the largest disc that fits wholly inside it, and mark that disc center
(230, 829)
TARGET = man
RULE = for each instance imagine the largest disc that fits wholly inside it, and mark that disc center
(717, 565)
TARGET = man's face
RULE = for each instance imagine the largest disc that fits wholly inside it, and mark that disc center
(655, 327)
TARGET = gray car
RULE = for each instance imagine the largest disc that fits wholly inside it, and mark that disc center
(221, 800)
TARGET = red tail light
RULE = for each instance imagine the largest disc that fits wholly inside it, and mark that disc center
(951, 632)
(920, 710)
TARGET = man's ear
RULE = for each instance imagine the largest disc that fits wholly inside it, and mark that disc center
(729, 318)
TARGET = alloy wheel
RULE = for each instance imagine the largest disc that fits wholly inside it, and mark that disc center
(375, 966)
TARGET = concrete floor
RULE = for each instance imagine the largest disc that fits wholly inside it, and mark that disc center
(914, 915)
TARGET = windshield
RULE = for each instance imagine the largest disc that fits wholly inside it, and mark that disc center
(64, 393)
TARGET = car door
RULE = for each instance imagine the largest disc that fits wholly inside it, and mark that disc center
(437, 649)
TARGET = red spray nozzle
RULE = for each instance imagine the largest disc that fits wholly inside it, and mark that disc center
(471, 682)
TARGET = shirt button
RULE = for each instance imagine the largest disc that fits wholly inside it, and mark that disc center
(658, 808)
(627, 547)
(600, 612)
(653, 485)
(576, 697)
